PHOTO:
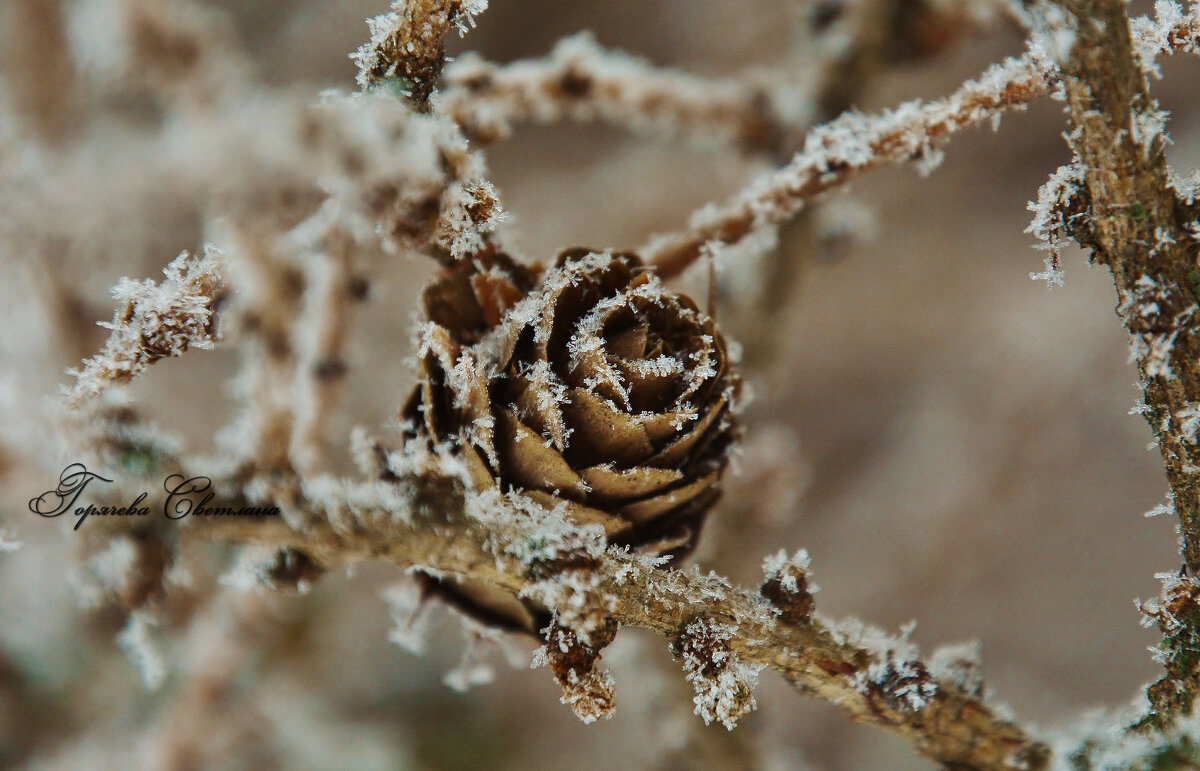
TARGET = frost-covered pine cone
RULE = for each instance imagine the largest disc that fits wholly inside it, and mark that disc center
(595, 388)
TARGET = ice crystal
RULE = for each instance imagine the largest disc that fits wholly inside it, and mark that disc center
(1050, 220)
(724, 684)
(776, 567)
(249, 570)
(958, 664)
(472, 670)
(1152, 37)
(895, 670)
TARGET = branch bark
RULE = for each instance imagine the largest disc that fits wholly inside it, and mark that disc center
(1135, 224)
(940, 718)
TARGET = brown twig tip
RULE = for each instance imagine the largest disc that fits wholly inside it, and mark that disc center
(788, 587)
(587, 689)
(155, 322)
(407, 45)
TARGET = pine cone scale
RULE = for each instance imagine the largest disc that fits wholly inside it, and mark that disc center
(532, 464)
(604, 433)
(611, 485)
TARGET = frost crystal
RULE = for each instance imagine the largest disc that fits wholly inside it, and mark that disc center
(1050, 222)
(1189, 422)
(112, 567)
(470, 210)
(249, 570)
(958, 664)
(472, 670)
(406, 603)
(724, 684)
(1153, 37)
(895, 671)
(775, 568)
(1053, 35)
(1163, 508)
(1148, 129)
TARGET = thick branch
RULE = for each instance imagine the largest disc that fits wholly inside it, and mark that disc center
(940, 718)
(1135, 224)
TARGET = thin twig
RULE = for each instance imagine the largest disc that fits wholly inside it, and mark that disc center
(843, 148)
(155, 322)
(580, 81)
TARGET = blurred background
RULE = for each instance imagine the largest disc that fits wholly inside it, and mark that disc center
(950, 440)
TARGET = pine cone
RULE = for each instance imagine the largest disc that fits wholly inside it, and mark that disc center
(595, 388)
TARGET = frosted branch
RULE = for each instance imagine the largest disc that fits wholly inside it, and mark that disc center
(837, 151)
(1118, 201)
(407, 44)
(728, 634)
(580, 81)
(155, 322)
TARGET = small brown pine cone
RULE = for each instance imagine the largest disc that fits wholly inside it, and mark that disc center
(589, 386)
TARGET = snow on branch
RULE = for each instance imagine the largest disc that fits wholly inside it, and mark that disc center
(407, 44)
(1119, 202)
(723, 635)
(1171, 29)
(836, 151)
(581, 81)
(154, 322)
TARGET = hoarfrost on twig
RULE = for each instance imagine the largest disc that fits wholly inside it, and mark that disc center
(724, 683)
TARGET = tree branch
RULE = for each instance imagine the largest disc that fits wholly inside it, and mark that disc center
(1134, 222)
(581, 81)
(836, 152)
(431, 524)
(840, 150)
